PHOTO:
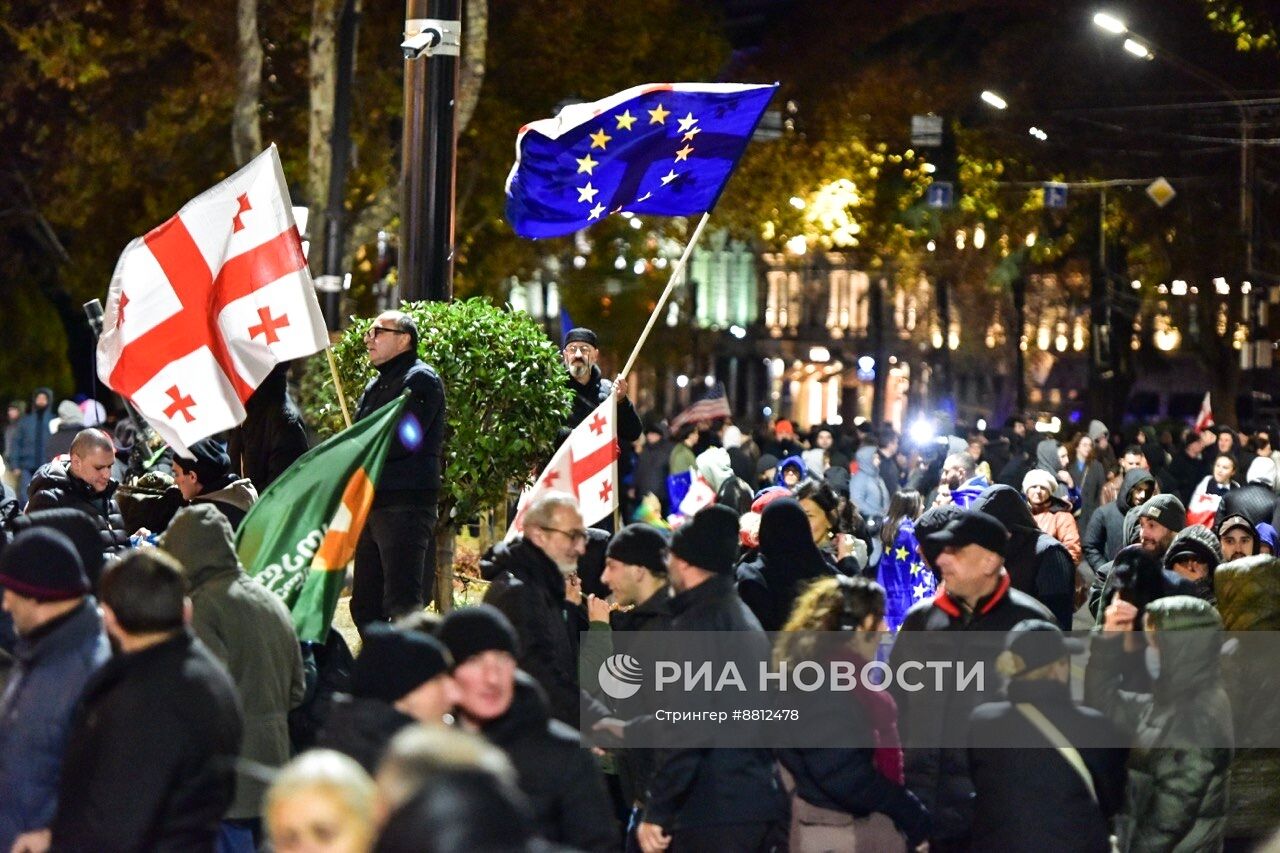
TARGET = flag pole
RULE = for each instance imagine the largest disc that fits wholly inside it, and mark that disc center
(662, 300)
(337, 386)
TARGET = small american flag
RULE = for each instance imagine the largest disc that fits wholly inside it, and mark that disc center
(714, 405)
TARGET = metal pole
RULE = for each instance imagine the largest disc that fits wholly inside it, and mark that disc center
(429, 149)
(879, 384)
(1020, 323)
(339, 158)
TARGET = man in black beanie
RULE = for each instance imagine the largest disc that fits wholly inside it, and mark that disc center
(204, 475)
(507, 707)
(712, 799)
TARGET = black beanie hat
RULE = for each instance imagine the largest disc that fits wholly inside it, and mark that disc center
(640, 545)
(41, 563)
(581, 335)
(78, 527)
(393, 663)
(208, 460)
(469, 631)
(709, 540)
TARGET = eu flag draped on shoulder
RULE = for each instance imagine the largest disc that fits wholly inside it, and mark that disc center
(204, 305)
(662, 149)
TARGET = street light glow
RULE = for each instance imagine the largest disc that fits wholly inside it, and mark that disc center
(1138, 49)
(1110, 23)
(992, 99)
(1038, 133)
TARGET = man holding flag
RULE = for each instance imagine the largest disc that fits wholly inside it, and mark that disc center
(396, 552)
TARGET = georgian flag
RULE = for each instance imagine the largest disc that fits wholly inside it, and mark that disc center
(203, 306)
(584, 466)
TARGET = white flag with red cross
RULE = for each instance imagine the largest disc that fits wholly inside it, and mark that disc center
(202, 307)
(585, 466)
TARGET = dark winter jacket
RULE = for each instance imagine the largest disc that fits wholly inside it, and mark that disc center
(250, 630)
(1037, 563)
(150, 763)
(1255, 501)
(1104, 536)
(54, 487)
(528, 587)
(1248, 594)
(940, 776)
(31, 436)
(697, 787)
(273, 434)
(651, 472)
(51, 669)
(587, 398)
(360, 727)
(1186, 471)
(1177, 794)
(409, 474)
(560, 778)
(786, 561)
(1015, 785)
(1089, 478)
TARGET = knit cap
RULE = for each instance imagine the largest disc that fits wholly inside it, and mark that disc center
(41, 563)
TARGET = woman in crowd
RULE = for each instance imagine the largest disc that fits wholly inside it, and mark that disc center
(902, 571)
(321, 801)
(1052, 513)
(848, 798)
(837, 527)
(1208, 495)
(1088, 473)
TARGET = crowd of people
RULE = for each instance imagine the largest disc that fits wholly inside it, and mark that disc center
(156, 696)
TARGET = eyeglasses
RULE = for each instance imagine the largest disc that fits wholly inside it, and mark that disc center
(584, 349)
(575, 536)
(374, 331)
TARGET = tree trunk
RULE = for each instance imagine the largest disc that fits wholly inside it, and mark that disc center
(475, 35)
(442, 589)
(322, 55)
(246, 129)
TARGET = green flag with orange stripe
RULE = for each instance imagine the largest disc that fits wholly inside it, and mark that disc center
(300, 535)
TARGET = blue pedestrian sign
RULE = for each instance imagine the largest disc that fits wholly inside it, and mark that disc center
(1055, 194)
(939, 194)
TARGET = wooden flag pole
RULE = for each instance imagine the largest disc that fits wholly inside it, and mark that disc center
(337, 386)
(662, 300)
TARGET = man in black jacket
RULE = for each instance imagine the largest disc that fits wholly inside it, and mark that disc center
(530, 579)
(561, 780)
(711, 799)
(273, 434)
(150, 761)
(85, 484)
(979, 599)
(1037, 563)
(1104, 536)
(397, 553)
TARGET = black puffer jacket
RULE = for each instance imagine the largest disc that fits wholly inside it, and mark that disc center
(1255, 501)
(272, 436)
(560, 778)
(1037, 563)
(1104, 536)
(409, 472)
(54, 487)
(529, 589)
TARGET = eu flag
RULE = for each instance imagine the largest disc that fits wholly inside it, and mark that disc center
(659, 149)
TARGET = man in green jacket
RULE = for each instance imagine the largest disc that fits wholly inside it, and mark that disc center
(249, 629)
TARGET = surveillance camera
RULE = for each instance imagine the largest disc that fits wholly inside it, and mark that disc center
(416, 45)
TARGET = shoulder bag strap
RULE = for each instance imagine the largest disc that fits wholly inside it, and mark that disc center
(1060, 743)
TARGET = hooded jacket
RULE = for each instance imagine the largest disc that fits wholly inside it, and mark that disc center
(1176, 798)
(1104, 536)
(560, 778)
(1054, 516)
(785, 562)
(1248, 597)
(55, 487)
(1038, 564)
(250, 630)
(1256, 499)
(527, 586)
(233, 499)
(714, 466)
(866, 488)
(32, 435)
(70, 422)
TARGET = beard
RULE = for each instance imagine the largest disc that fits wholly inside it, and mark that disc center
(580, 370)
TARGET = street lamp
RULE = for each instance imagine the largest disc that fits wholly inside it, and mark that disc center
(992, 99)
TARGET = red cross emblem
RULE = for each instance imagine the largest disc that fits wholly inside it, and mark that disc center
(124, 300)
(181, 404)
(267, 328)
(550, 480)
(606, 490)
(236, 223)
(598, 424)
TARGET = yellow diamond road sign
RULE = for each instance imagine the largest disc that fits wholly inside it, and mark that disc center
(1161, 192)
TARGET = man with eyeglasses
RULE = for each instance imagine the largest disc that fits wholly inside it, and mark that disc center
(533, 581)
(396, 553)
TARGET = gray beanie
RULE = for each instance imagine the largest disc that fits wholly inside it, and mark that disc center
(1166, 510)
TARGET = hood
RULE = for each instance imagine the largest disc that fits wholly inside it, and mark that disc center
(238, 493)
(866, 458)
(529, 711)
(48, 393)
(1097, 429)
(200, 538)
(715, 467)
(69, 414)
(1189, 635)
(1248, 593)
(1198, 541)
(786, 542)
(1047, 456)
(1131, 479)
(1262, 470)
(791, 462)
(1007, 506)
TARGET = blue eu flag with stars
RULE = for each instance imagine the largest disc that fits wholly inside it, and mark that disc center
(659, 150)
